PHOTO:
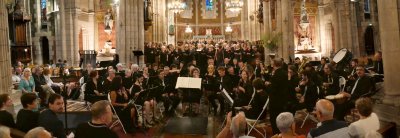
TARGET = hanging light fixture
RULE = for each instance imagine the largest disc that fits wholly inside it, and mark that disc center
(188, 29)
(234, 5)
(228, 28)
(176, 6)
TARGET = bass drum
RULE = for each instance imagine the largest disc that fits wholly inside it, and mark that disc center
(343, 57)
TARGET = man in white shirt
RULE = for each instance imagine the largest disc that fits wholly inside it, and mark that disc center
(369, 121)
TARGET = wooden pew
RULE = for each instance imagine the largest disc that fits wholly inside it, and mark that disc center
(389, 131)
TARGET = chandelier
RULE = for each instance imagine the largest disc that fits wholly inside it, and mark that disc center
(188, 29)
(228, 28)
(234, 5)
(176, 6)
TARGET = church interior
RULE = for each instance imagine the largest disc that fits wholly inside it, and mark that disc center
(199, 68)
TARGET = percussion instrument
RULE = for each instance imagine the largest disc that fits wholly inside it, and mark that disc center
(339, 98)
(342, 58)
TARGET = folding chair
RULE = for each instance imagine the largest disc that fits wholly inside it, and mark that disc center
(342, 82)
(118, 120)
(253, 124)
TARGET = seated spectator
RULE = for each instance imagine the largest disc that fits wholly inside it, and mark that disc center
(368, 122)
(41, 85)
(235, 127)
(27, 83)
(98, 126)
(4, 132)
(329, 127)
(6, 118)
(57, 87)
(48, 118)
(27, 118)
(286, 124)
(15, 77)
(38, 132)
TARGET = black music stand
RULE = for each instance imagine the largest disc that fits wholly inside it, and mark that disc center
(137, 53)
(188, 84)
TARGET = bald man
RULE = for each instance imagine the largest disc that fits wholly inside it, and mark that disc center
(235, 127)
(38, 132)
(329, 127)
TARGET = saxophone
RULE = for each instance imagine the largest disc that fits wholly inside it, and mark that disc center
(304, 61)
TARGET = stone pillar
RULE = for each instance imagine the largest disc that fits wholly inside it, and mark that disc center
(5, 61)
(266, 20)
(131, 30)
(388, 15)
(285, 29)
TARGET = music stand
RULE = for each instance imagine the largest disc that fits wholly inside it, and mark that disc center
(137, 53)
(189, 84)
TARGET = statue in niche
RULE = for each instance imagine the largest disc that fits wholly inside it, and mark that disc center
(148, 11)
(19, 12)
(107, 18)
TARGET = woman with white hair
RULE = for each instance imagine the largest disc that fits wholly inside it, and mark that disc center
(285, 123)
(27, 83)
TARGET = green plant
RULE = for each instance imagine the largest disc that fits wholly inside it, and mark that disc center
(271, 40)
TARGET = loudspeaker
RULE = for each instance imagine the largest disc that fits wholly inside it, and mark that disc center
(75, 118)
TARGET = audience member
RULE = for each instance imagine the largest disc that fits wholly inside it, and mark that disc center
(369, 121)
(27, 117)
(48, 118)
(235, 127)
(285, 123)
(38, 132)
(98, 126)
(6, 118)
(27, 83)
(329, 127)
(4, 132)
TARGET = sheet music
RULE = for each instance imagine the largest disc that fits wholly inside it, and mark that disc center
(188, 82)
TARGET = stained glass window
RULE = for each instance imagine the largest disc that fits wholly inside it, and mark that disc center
(43, 8)
(209, 5)
(367, 6)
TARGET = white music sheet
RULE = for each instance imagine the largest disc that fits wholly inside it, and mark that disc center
(188, 82)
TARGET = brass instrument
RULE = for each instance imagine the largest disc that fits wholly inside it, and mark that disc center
(304, 61)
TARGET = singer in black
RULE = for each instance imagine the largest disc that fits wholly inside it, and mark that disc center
(120, 101)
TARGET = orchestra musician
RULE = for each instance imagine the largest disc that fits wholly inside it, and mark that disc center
(330, 81)
(140, 96)
(294, 80)
(244, 91)
(192, 95)
(255, 107)
(307, 92)
(106, 84)
(120, 101)
(363, 87)
(93, 91)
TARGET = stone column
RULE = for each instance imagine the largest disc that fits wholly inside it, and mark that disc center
(140, 30)
(285, 29)
(388, 15)
(266, 20)
(5, 62)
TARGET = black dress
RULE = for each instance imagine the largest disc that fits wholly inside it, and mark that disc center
(6, 119)
(90, 95)
(124, 113)
(27, 120)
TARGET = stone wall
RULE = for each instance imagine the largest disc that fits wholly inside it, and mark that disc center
(5, 62)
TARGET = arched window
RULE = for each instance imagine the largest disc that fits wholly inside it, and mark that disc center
(43, 9)
(209, 5)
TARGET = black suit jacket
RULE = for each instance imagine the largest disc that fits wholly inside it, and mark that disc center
(48, 119)
(364, 87)
(278, 90)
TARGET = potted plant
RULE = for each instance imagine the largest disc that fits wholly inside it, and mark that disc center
(271, 41)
